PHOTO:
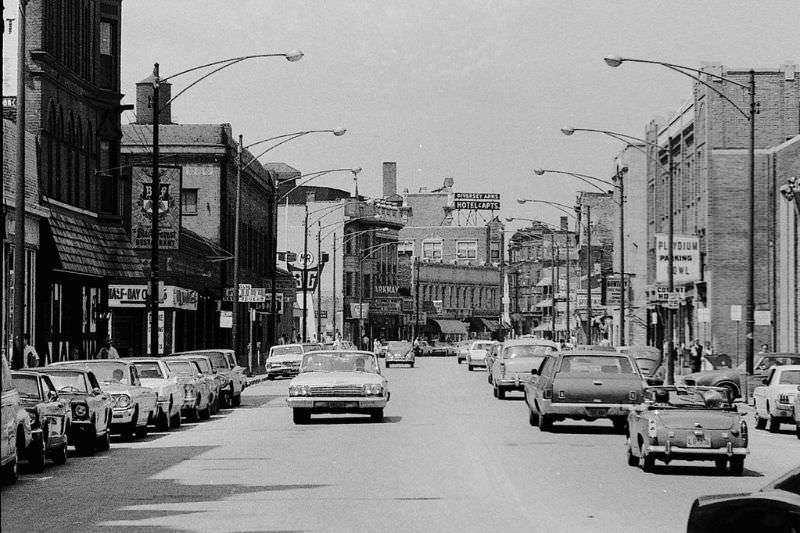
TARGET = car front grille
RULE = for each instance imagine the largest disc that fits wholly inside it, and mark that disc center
(337, 391)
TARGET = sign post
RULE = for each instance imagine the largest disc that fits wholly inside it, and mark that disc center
(736, 316)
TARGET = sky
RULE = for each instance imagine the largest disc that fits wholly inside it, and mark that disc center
(468, 89)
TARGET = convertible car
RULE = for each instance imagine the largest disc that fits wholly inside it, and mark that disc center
(687, 423)
(338, 382)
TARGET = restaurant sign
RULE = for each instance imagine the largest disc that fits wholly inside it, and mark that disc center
(167, 203)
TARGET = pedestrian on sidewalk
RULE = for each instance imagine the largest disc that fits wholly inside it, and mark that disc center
(697, 356)
(30, 356)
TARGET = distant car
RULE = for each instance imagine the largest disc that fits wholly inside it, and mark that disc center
(731, 379)
(399, 352)
(210, 376)
(134, 404)
(584, 385)
(775, 399)
(340, 381)
(50, 417)
(92, 408)
(198, 387)
(423, 349)
(461, 351)
(155, 374)
(439, 349)
(476, 354)
(773, 509)
(689, 424)
(284, 360)
(515, 359)
(231, 379)
(648, 359)
(16, 434)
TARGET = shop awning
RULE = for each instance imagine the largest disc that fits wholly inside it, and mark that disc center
(449, 327)
(483, 324)
(88, 248)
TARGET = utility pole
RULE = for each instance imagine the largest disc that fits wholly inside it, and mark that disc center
(415, 270)
(553, 285)
(19, 203)
(333, 273)
(589, 274)
(304, 334)
(319, 281)
(622, 338)
(235, 308)
(274, 288)
(671, 274)
(569, 318)
(155, 199)
(750, 304)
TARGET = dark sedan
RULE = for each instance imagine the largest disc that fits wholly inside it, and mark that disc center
(731, 378)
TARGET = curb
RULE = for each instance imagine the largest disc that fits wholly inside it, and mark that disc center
(255, 380)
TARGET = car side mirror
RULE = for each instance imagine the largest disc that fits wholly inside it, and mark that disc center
(97, 390)
(765, 381)
(534, 372)
(52, 396)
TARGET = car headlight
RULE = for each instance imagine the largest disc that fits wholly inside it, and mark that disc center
(80, 410)
(298, 390)
(122, 401)
(373, 389)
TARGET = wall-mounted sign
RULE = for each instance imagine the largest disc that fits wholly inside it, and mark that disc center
(362, 313)
(386, 289)
(168, 205)
(485, 201)
(138, 296)
(685, 258)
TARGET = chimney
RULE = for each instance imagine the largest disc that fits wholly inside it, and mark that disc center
(144, 97)
(564, 224)
(389, 178)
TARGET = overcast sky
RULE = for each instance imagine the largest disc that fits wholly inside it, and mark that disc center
(474, 90)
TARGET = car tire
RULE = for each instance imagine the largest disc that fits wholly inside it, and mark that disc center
(37, 456)
(737, 465)
(470, 368)
(773, 424)
(501, 393)
(103, 443)
(631, 459)
(205, 414)
(11, 470)
(620, 425)
(533, 418)
(141, 431)
(270, 377)
(797, 430)
(733, 391)
(164, 421)
(85, 445)
(376, 415)
(648, 463)
(721, 464)
(236, 400)
(301, 415)
(387, 364)
(60, 454)
(176, 420)
(411, 365)
(761, 423)
(545, 422)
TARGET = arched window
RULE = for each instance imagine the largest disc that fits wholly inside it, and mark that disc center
(58, 167)
(51, 169)
(79, 165)
(69, 166)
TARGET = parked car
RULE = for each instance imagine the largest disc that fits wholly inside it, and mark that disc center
(16, 428)
(775, 399)
(338, 382)
(209, 383)
(399, 352)
(238, 370)
(491, 355)
(134, 404)
(461, 351)
(50, 417)
(731, 379)
(773, 509)
(92, 408)
(476, 354)
(440, 349)
(198, 388)
(515, 359)
(284, 360)
(648, 359)
(155, 374)
(689, 424)
(423, 349)
(797, 412)
(231, 380)
(584, 385)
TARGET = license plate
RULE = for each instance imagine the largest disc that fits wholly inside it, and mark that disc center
(336, 405)
(697, 441)
(596, 411)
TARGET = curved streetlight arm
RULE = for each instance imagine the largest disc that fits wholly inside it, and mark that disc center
(325, 235)
(374, 248)
(294, 135)
(314, 175)
(353, 235)
(589, 180)
(291, 56)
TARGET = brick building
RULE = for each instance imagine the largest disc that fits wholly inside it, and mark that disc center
(708, 139)
(199, 264)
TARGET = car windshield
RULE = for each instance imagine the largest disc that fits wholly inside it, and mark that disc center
(217, 359)
(284, 350)
(790, 377)
(204, 365)
(527, 350)
(69, 381)
(311, 347)
(338, 362)
(594, 364)
(110, 372)
(687, 398)
(27, 386)
(481, 345)
(149, 369)
(182, 368)
(399, 346)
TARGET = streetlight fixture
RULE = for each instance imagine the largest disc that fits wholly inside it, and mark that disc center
(750, 115)
(155, 193)
(621, 188)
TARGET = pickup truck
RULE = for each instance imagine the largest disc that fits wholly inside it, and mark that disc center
(584, 385)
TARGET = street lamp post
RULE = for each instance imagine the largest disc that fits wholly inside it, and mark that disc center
(155, 192)
(750, 115)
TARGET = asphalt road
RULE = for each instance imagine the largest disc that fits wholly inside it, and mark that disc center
(449, 457)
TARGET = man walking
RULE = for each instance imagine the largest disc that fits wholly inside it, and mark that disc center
(30, 356)
(697, 356)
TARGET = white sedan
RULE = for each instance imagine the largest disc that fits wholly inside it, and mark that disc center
(155, 373)
(476, 354)
(775, 400)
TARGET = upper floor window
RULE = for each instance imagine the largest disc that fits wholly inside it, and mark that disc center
(106, 38)
(432, 249)
(189, 201)
(467, 249)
